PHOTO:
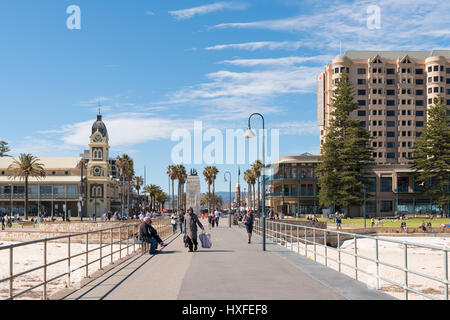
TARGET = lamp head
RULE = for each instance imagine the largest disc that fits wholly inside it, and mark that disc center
(249, 134)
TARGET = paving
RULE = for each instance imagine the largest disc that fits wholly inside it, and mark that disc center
(231, 270)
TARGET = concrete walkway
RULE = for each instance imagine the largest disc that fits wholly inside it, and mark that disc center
(230, 270)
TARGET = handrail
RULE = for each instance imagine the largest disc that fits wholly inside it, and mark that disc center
(284, 232)
(162, 225)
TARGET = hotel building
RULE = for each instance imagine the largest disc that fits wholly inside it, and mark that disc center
(393, 90)
(85, 185)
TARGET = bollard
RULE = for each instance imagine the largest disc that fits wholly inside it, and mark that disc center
(44, 293)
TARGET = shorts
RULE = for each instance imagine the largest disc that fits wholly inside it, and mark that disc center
(249, 228)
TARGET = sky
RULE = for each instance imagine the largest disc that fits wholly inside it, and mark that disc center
(158, 66)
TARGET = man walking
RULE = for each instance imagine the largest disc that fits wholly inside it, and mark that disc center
(217, 216)
(181, 220)
(248, 221)
(191, 221)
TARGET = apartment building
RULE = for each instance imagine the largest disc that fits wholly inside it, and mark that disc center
(393, 90)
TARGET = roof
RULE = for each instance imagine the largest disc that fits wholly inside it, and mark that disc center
(298, 159)
(393, 55)
(47, 179)
(99, 126)
(49, 163)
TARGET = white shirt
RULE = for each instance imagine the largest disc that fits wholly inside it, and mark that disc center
(217, 214)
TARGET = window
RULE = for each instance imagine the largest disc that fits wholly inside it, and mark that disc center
(361, 92)
(419, 113)
(419, 92)
(386, 184)
(435, 68)
(390, 92)
(361, 102)
(447, 70)
(390, 102)
(390, 155)
(419, 71)
(371, 206)
(419, 81)
(418, 133)
(336, 70)
(419, 102)
(390, 134)
(386, 206)
(390, 113)
(390, 123)
(390, 71)
(72, 189)
(419, 123)
(33, 189)
(371, 184)
(361, 81)
(59, 189)
(361, 71)
(46, 190)
(390, 144)
(436, 79)
(363, 123)
(390, 81)
(361, 113)
(447, 81)
(18, 189)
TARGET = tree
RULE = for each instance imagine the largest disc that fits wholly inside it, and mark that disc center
(152, 190)
(210, 198)
(208, 173)
(23, 168)
(181, 176)
(214, 172)
(4, 149)
(257, 167)
(137, 184)
(431, 157)
(126, 167)
(161, 198)
(346, 152)
(249, 177)
(171, 171)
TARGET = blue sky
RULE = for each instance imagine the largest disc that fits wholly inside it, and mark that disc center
(156, 66)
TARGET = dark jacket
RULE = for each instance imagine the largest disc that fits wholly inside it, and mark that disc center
(190, 222)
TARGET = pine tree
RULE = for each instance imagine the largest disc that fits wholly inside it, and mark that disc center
(4, 149)
(345, 153)
(431, 158)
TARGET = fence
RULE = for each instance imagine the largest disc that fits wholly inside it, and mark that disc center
(107, 239)
(315, 242)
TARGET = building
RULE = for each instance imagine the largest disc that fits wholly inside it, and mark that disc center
(86, 185)
(292, 186)
(393, 90)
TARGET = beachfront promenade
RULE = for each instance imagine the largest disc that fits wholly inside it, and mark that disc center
(230, 270)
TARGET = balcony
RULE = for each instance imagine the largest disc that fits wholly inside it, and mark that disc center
(290, 177)
(291, 194)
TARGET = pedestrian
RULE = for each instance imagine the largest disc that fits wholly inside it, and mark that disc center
(181, 220)
(173, 222)
(150, 235)
(2, 218)
(191, 222)
(212, 217)
(216, 217)
(372, 222)
(248, 221)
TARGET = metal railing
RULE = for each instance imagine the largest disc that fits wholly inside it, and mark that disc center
(310, 239)
(125, 233)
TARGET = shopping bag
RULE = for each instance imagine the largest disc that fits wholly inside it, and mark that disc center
(205, 239)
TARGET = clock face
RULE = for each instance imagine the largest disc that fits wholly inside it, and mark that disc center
(97, 138)
(97, 171)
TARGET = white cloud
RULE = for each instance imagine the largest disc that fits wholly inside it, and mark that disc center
(149, 13)
(252, 46)
(285, 61)
(297, 128)
(201, 10)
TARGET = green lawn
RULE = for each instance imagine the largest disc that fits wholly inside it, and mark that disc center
(411, 222)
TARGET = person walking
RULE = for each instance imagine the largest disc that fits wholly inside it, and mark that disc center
(174, 221)
(2, 218)
(216, 217)
(191, 222)
(213, 218)
(181, 220)
(248, 221)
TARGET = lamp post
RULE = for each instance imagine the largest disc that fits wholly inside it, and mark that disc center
(250, 134)
(229, 212)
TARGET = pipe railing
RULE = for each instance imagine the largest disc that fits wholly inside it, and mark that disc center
(132, 232)
(311, 239)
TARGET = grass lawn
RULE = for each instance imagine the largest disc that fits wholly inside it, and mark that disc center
(411, 222)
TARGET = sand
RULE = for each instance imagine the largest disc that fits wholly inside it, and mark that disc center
(31, 256)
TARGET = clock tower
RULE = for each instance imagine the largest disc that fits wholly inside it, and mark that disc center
(98, 180)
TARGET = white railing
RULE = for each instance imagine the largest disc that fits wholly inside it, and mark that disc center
(315, 242)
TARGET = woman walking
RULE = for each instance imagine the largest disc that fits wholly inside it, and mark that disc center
(248, 221)
(173, 221)
(190, 224)
(211, 219)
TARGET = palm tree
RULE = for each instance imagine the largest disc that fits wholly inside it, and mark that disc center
(161, 197)
(152, 190)
(137, 184)
(181, 176)
(257, 167)
(214, 172)
(172, 172)
(249, 177)
(23, 168)
(126, 167)
(208, 173)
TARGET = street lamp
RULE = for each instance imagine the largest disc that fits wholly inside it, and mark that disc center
(229, 212)
(250, 134)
